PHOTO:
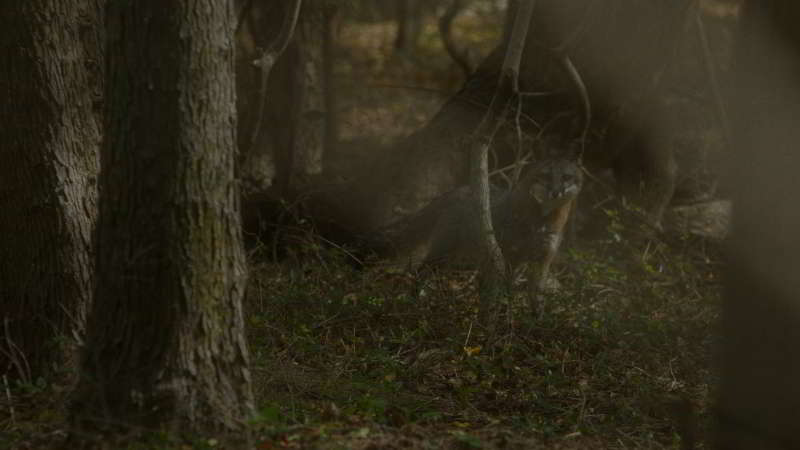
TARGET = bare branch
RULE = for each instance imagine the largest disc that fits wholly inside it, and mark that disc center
(580, 86)
(494, 269)
(516, 43)
(267, 61)
(460, 56)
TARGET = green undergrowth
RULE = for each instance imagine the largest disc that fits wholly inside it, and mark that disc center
(350, 356)
(621, 355)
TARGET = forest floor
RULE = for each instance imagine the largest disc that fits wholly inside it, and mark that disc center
(347, 357)
(369, 358)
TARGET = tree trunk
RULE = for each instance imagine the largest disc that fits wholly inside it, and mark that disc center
(47, 180)
(306, 99)
(330, 36)
(284, 141)
(759, 391)
(265, 152)
(165, 343)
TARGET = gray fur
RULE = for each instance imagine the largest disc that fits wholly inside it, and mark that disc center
(446, 231)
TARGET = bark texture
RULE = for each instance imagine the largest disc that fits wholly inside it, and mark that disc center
(49, 144)
(759, 392)
(165, 341)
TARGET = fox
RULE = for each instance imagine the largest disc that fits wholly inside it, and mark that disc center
(529, 222)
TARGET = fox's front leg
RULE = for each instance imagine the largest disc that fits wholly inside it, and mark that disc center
(540, 280)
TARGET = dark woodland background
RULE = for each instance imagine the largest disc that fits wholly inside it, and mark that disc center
(257, 224)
